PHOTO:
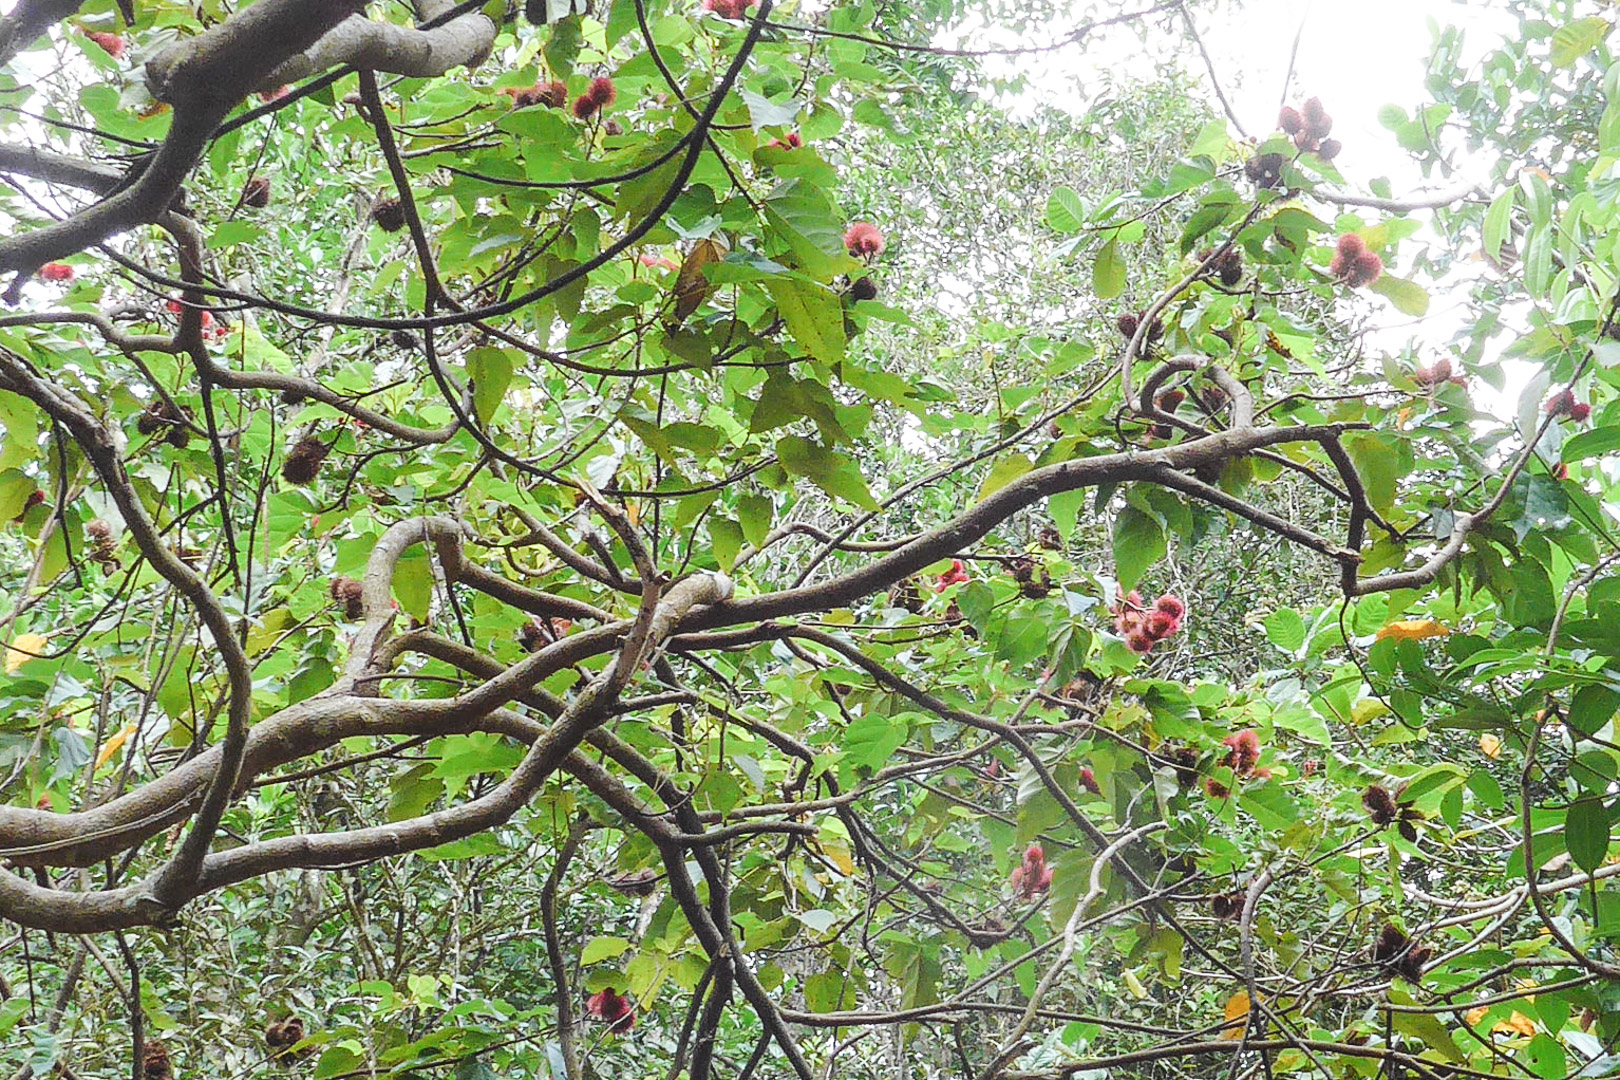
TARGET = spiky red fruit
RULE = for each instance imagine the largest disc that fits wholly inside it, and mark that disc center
(1171, 605)
(602, 91)
(1367, 269)
(1580, 412)
(1088, 781)
(608, 1006)
(56, 271)
(584, 107)
(1290, 121)
(112, 44)
(1243, 751)
(729, 9)
(863, 240)
(1317, 122)
(1380, 804)
(1560, 404)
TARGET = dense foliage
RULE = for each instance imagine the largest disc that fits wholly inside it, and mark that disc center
(693, 541)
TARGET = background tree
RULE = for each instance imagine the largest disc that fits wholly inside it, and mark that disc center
(494, 590)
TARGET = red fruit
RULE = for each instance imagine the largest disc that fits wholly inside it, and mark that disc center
(1580, 412)
(1329, 149)
(1031, 877)
(1139, 642)
(1215, 789)
(1367, 269)
(657, 261)
(956, 575)
(1160, 625)
(729, 9)
(56, 271)
(1289, 120)
(1560, 404)
(610, 1007)
(1171, 605)
(863, 240)
(267, 96)
(1243, 751)
(584, 107)
(1088, 780)
(1317, 122)
(1380, 804)
(602, 91)
(111, 43)
(1351, 245)
(791, 141)
(553, 95)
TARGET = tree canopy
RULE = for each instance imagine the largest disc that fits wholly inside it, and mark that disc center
(656, 540)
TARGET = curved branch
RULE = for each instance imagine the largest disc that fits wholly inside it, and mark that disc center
(359, 42)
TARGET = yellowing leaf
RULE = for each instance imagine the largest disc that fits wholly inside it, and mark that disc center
(1490, 745)
(1134, 985)
(836, 848)
(1413, 630)
(1237, 1012)
(114, 744)
(1517, 1024)
(691, 286)
(23, 648)
(1474, 1016)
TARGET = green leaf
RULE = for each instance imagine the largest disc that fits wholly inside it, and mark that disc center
(814, 317)
(1592, 707)
(1586, 832)
(1138, 544)
(754, 513)
(1002, 473)
(829, 470)
(1065, 510)
(726, 538)
(1574, 40)
(1065, 211)
(869, 741)
(1408, 297)
(1499, 222)
(491, 373)
(1286, 630)
(1591, 444)
(603, 948)
(413, 583)
(1108, 272)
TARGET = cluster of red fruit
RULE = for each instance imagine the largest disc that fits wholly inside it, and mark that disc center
(1309, 125)
(791, 141)
(553, 95)
(1563, 403)
(597, 96)
(56, 271)
(1354, 264)
(210, 329)
(1143, 627)
(1439, 373)
(1242, 755)
(1032, 877)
